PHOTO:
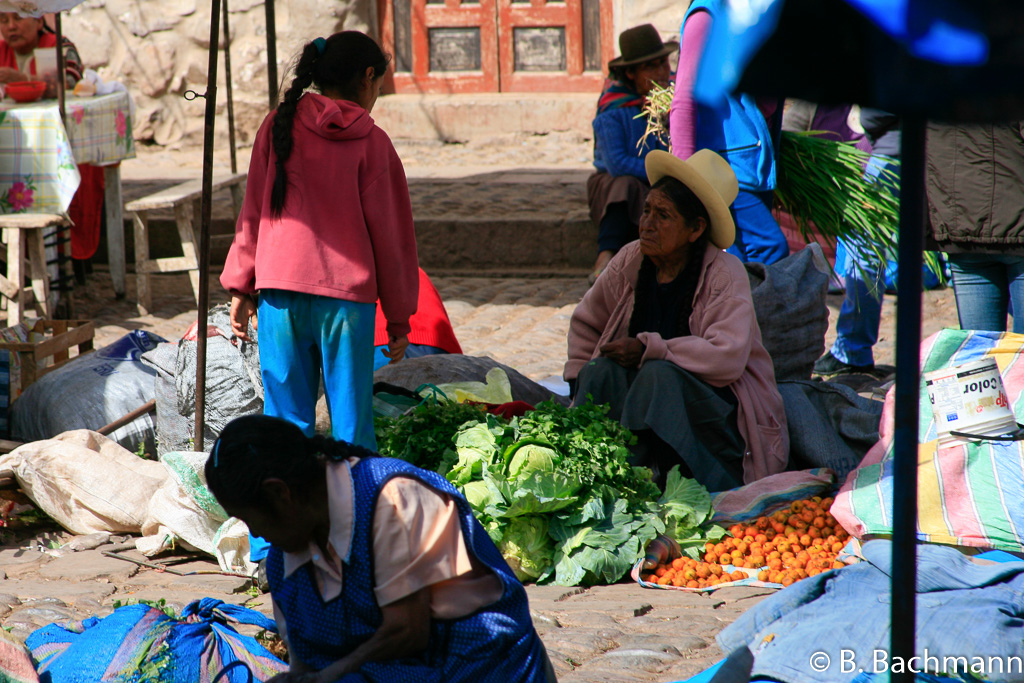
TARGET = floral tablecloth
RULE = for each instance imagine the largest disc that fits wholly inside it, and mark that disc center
(39, 152)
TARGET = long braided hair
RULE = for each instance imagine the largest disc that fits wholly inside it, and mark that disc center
(690, 208)
(255, 448)
(336, 64)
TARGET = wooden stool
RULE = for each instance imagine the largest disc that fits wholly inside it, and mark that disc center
(24, 235)
(185, 200)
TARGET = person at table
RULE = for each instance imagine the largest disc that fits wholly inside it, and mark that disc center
(617, 189)
(668, 338)
(22, 36)
(378, 571)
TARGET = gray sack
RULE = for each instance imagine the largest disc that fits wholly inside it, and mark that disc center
(789, 302)
(830, 425)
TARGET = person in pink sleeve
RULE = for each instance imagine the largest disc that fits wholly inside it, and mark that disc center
(667, 336)
(325, 231)
(734, 128)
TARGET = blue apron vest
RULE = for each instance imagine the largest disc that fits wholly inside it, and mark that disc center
(736, 129)
(496, 643)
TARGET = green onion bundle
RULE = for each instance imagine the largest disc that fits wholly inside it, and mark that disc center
(822, 185)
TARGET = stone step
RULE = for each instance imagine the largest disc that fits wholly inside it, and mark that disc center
(510, 222)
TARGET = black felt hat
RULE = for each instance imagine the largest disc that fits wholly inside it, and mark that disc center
(641, 44)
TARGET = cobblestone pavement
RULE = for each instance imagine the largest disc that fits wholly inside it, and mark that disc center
(604, 634)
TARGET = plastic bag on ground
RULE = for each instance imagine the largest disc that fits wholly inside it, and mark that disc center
(107, 385)
(234, 386)
(86, 482)
(184, 510)
(137, 640)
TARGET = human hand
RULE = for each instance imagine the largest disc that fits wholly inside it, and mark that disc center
(242, 309)
(51, 86)
(626, 352)
(9, 75)
(396, 347)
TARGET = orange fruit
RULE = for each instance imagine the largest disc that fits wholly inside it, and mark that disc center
(738, 575)
(678, 563)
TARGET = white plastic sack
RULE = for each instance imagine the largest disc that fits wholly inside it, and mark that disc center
(90, 484)
(184, 510)
(86, 482)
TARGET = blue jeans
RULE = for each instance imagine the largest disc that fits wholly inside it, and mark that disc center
(302, 335)
(861, 313)
(987, 288)
(758, 236)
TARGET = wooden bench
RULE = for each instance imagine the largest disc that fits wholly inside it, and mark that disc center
(23, 233)
(185, 199)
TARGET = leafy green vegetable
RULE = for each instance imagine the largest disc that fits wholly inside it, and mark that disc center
(424, 437)
(527, 547)
(554, 488)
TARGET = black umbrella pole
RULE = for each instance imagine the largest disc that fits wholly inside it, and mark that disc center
(58, 30)
(908, 382)
(268, 6)
(229, 89)
(204, 224)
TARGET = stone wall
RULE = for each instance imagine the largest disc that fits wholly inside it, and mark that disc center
(160, 49)
(666, 15)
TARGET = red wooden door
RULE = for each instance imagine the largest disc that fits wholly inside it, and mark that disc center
(546, 46)
(441, 46)
(459, 46)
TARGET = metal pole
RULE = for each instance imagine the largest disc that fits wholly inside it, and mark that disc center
(62, 235)
(908, 380)
(268, 5)
(58, 30)
(204, 224)
(230, 89)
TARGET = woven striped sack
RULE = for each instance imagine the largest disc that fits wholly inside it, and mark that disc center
(968, 494)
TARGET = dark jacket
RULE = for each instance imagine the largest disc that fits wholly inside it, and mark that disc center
(975, 187)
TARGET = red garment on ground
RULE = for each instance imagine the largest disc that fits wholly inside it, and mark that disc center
(430, 323)
(86, 212)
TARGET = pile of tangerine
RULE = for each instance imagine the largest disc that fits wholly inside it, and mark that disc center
(794, 543)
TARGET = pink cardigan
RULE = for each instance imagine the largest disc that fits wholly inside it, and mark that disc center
(724, 348)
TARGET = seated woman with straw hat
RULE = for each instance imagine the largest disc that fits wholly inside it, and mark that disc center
(667, 336)
(617, 189)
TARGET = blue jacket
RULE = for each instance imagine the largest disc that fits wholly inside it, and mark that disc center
(495, 643)
(963, 610)
(736, 129)
(617, 133)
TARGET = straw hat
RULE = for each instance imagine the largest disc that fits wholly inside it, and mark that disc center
(711, 178)
(641, 44)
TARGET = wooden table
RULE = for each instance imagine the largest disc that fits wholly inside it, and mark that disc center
(39, 154)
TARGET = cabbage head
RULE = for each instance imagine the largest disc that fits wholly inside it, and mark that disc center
(531, 459)
(527, 548)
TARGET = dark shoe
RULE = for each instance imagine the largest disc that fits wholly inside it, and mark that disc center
(829, 365)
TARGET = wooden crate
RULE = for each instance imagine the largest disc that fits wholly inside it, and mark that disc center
(40, 356)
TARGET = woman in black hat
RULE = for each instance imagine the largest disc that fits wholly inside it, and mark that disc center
(616, 192)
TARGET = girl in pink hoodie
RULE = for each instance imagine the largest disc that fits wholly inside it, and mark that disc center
(325, 231)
